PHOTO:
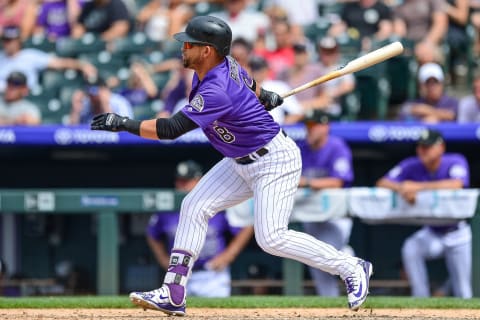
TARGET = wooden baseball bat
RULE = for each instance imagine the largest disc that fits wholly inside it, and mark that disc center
(386, 52)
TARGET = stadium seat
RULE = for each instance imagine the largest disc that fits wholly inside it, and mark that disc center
(373, 89)
(66, 93)
(204, 8)
(161, 79)
(144, 111)
(39, 42)
(134, 43)
(107, 64)
(52, 80)
(350, 106)
(50, 107)
(349, 47)
(315, 31)
(88, 43)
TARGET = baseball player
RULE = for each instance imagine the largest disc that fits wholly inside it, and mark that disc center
(326, 163)
(260, 162)
(211, 273)
(432, 168)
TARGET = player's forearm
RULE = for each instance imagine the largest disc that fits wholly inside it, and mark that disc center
(442, 184)
(324, 183)
(385, 183)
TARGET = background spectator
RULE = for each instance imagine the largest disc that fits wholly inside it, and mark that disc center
(14, 108)
(303, 71)
(330, 60)
(244, 23)
(433, 105)
(241, 50)
(109, 19)
(32, 61)
(20, 13)
(140, 87)
(282, 57)
(161, 19)
(432, 168)
(56, 18)
(469, 106)
(424, 22)
(458, 13)
(300, 14)
(364, 20)
(211, 271)
(95, 99)
(290, 111)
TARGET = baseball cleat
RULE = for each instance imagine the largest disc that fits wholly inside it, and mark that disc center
(158, 299)
(357, 284)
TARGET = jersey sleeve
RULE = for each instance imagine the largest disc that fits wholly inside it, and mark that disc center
(460, 170)
(207, 106)
(400, 172)
(154, 228)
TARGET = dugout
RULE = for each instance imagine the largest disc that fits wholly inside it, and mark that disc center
(44, 241)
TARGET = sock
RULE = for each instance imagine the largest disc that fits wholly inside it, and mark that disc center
(179, 270)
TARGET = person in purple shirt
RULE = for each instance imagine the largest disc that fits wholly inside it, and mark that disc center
(56, 17)
(211, 273)
(433, 105)
(326, 163)
(432, 168)
(260, 161)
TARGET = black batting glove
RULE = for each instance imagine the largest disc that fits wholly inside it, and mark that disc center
(270, 99)
(114, 122)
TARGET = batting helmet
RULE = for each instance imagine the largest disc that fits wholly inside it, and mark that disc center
(208, 30)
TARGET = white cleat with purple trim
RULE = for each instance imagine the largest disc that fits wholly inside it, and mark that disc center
(358, 283)
(158, 299)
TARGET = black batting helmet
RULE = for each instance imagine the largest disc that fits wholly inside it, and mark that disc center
(208, 30)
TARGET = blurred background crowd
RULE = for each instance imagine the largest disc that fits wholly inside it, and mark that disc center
(63, 61)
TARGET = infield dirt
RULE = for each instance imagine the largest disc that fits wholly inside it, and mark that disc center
(230, 314)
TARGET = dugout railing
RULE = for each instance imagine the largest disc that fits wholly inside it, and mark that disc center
(108, 203)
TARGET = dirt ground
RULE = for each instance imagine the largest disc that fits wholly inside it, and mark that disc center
(227, 314)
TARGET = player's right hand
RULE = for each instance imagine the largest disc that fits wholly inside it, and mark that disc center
(109, 122)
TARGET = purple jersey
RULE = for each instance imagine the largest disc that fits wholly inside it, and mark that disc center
(452, 166)
(445, 102)
(162, 227)
(229, 112)
(334, 159)
(53, 17)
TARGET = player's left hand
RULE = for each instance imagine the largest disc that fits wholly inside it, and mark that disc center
(270, 99)
(109, 122)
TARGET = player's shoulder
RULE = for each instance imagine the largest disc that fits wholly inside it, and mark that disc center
(411, 162)
(454, 157)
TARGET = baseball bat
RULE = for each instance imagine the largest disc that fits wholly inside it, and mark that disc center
(367, 60)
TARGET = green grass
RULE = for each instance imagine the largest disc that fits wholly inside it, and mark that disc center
(242, 302)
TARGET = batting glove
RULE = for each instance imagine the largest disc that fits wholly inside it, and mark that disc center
(114, 122)
(270, 99)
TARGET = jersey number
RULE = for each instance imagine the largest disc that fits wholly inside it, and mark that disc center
(224, 134)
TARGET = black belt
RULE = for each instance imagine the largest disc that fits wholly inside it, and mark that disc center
(444, 229)
(251, 157)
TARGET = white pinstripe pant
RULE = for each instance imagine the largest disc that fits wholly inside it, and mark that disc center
(272, 180)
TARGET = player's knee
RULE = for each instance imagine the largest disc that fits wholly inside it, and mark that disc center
(409, 249)
(271, 243)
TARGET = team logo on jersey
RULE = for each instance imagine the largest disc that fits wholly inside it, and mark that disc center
(197, 103)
